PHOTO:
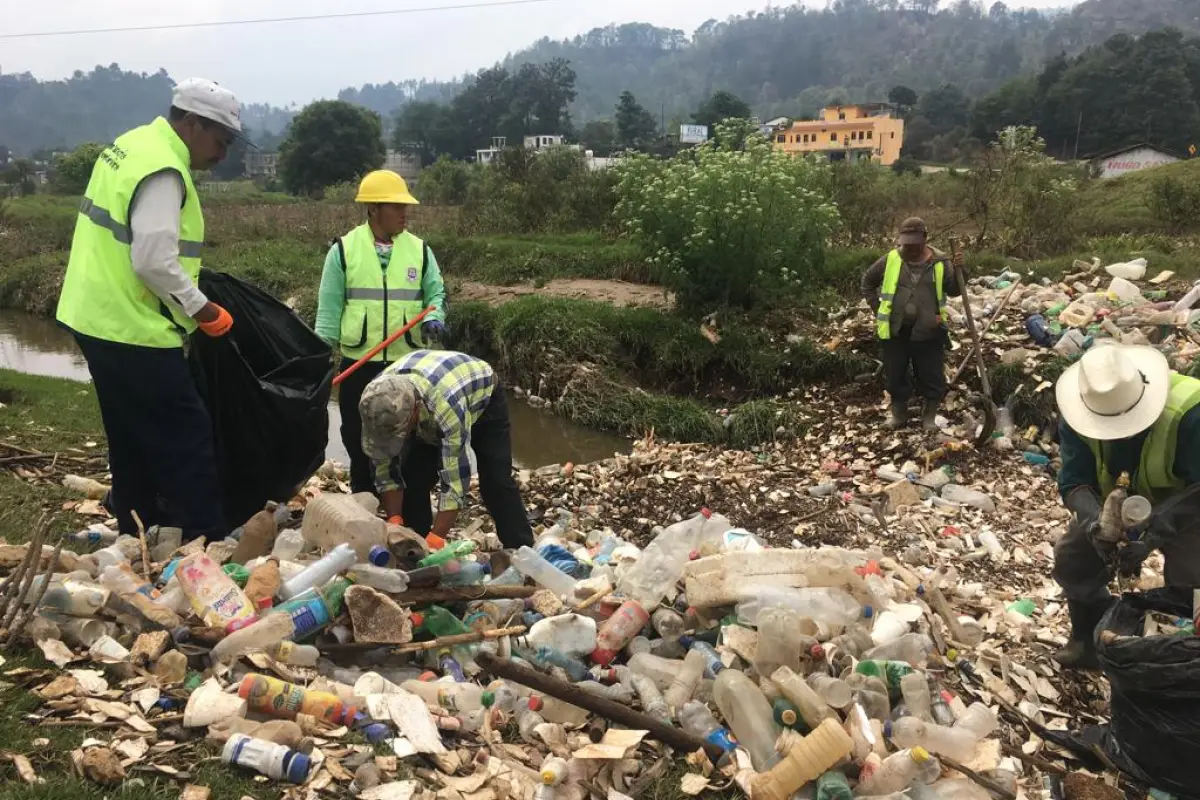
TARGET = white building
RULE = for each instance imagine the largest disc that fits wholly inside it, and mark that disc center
(542, 142)
(1131, 159)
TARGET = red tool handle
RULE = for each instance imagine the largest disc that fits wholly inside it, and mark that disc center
(385, 343)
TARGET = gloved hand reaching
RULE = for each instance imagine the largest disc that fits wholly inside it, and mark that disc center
(434, 330)
(213, 320)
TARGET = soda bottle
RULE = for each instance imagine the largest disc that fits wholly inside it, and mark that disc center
(915, 690)
(788, 716)
(450, 696)
(660, 670)
(314, 610)
(531, 564)
(696, 718)
(257, 636)
(275, 698)
(451, 552)
(465, 573)
(778, 640)
(618, 630)
(834, 691)
(712, 659)
(547, 657)
(979, 720)
(439, 622)
(650, 697)
(812, 708)
(913, 648)
(890, 672)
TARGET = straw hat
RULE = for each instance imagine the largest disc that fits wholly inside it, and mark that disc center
(1114, 391)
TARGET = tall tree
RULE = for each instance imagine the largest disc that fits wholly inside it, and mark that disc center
(902, 96)
(599, 136)
(424, 127)
(330, 142)
(636, 128)
(721, 106)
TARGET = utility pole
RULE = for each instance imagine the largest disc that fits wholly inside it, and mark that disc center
(1078, 132)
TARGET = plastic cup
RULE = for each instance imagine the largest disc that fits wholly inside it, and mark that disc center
(1135, 511)
(209, 703)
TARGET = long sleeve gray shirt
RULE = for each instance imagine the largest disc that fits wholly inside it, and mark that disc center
(154, 223)
(915, 308)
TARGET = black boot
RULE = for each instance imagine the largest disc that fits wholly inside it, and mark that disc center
(898, 418)
(1080, 652)
(929, 415)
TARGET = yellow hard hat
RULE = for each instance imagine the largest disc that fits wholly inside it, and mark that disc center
(384, 186)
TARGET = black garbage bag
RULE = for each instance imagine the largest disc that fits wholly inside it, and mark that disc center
(1154, 735)
(266, 384)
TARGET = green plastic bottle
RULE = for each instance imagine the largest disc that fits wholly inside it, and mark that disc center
(314, 610)
(439, 622)
(890, 672)
(450, 552)
(787, 715)
(833, 786)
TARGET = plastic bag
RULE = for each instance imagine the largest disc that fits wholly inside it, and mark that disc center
(1155, 730)
(266, 385)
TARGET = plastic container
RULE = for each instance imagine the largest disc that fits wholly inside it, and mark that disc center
(835, 692)
(453, 551)
(465, 573)
(331, 520)
(214, 596)
(288, 545)
(529, 563)
(778, 640)
(340, 559)
(696, 718)
(912, 648)
(719, 580)
(274, 698)
(273, 760)
(258, 535)
(1077, 315)
(389, 581)
(453, 697)
(825, 605)
(1129, 270)
(748, 714)
(650, 697)
(887, 627)
(93, 536)
(915, 690)
(660, 670)
(895, 773)
(661, 563)
(258, 636)
(808, 757)
(314, 610)
(957, 743)
(813, 710)
(683, 686)
(618, 630)
(979, 720)
(1135, 512)
(572, 634)
(1124, 291)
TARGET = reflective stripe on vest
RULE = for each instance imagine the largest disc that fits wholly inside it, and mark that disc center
(887, 292)
(102, 296)
(1155, 479)
(381, 301)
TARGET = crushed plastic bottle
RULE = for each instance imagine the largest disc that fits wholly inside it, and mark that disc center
(957, 743)
(746, 710)
(529, 563)
(661, 564)
(618, 630)
(696, 718)
(895, 773)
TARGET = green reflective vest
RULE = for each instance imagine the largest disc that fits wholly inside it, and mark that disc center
(1155, 479)
(102, 296)
(887, 292)
(381, 300)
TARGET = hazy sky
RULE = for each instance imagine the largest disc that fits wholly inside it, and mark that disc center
(299, 61)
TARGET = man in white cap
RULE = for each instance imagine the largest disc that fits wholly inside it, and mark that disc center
(1124, 410)
(130, 297)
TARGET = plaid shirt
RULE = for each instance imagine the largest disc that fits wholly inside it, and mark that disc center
(453, 390)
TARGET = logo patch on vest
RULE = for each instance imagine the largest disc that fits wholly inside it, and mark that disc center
(412, 273)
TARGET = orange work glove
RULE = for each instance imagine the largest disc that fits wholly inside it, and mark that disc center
(396, 520)
(219, 326)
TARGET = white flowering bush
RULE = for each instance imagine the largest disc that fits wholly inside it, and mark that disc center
(730, 223)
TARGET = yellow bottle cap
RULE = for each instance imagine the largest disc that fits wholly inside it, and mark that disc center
(548, 777)
(920, 755)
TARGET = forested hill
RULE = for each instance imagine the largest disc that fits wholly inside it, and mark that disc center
(787, 61)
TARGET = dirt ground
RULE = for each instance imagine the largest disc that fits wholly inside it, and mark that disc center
(618, 293)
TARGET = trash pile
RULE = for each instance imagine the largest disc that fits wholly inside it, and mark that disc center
(562, 669)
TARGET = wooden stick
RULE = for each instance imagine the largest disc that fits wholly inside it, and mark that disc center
(464, 593)
(942, 606)
(992, 321)
(26, 614)
(618, 713)
(986, 783)
(35, 553)
(1034, 761)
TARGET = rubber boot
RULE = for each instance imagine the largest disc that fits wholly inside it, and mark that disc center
(929, 416)
(898, 417)
(1080, 652)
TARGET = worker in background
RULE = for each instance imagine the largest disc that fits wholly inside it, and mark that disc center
(130, 298)
(377, 277)
(1124, 410)
(420, 416)
(908, 289)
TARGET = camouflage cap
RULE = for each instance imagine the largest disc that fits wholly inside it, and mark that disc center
(386, 408)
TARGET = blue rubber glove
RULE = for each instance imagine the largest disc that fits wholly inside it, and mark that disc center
(434, 330)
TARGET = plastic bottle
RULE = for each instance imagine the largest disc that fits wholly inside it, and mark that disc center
(660, 565)
(912, 648)
(557, 711)
(650, 697)
(667, 623)
(258, 535)
(93, 489)
(288, 545)
(572, 634)
(813, 710)
(123, 550)
(273, 760)
(895, 773)
(749, 716)
(683, 686)
(529, 563)
(712, 659)
(314, 610)
(264, 583)
(940, 708)
(331, 520)
(808, 757)
(833, 786)
(214, 596)
(915, 690)
(450, 696)
(121, 578)
(660, 670)
(778, 645)
(320, 572)
(454, 551)
(696, 718)
(296, 655)
(527, 722)
(1188, 300)
(956, 743)
(388, 581)
(824, 605)
(275, 698)
(74, 598)
(441, 622)
(547, 657)
(94, 535)
(617, 631)
(867, 734)
(872, 694)
(890, 672)
(260, 635)
(465, 573)
(834, 691)
(979, 720)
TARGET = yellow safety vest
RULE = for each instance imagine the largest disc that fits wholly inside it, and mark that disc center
(1155, 479)
(101, 296)
(380, 301)
(887, 292)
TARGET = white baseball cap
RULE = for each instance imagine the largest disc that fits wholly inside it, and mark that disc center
(207, 99)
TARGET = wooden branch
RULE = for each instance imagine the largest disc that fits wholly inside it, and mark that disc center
(986, 783)
(621, 714)
(463, 594)
(1034, 761)
(992, 321)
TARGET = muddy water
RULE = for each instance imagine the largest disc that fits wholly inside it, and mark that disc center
(39, 347)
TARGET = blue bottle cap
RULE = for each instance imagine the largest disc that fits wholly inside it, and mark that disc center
(377, 732)
(296, 766)
(687, 641)
(379, 555)
(722, 739)
(486, 568)
(887, 729)
(868, 612)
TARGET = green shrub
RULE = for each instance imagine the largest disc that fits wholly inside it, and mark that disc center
(445, 182)
(1175, 201)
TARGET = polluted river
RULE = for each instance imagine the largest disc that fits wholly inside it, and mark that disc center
(38, 346)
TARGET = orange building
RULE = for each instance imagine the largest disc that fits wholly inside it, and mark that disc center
(870, 132)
